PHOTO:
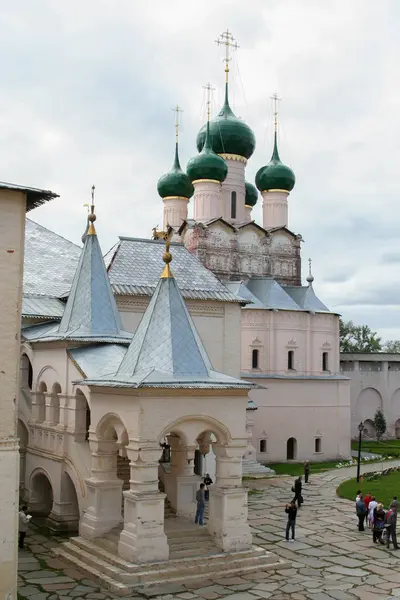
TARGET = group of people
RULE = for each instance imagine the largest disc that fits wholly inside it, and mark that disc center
(291, 509)
(383, 524)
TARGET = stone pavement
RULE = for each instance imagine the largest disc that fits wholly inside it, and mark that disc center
(329, 560)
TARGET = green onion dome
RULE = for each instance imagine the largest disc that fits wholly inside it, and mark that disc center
(251, 194)
(229, 134)
(275, 175)
(175, 182)
(207, 164)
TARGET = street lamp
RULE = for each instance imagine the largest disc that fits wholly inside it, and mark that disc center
(360, 431)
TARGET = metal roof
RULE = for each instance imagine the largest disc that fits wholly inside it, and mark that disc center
(305, 297)
(42, 307)
(134, 269)
(97, 360)
(34, 196)
(50, 262)
(271, 294)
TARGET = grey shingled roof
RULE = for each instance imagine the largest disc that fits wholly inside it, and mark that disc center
(34, 196)
(98, 360)
(91, 312)
(42, 307)
(305, 297)
(134, 269)
(271, 294)
(166, 350)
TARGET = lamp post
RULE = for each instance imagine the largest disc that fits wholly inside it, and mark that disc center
(360, 431)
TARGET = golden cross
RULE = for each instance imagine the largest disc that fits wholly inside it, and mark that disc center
(275, 99)
(177, 110)
(210, 90)
(226, 39)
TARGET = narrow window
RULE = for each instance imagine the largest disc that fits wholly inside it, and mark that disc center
(233, 205)
(254, 359)
(317, 444)
(290, 360)
(263, 445)
(325, 365)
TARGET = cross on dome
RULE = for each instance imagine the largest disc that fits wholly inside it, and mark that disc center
(226, 39)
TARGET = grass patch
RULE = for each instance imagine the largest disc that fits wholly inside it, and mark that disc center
(383, 488)
(385, 448)
(298, 468)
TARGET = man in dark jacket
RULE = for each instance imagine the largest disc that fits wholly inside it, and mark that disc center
(391, 524)
(306, 471)
(291, 512)
(361, 511)
(297, 492)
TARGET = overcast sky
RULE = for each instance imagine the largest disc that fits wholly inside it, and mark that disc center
(86, 95)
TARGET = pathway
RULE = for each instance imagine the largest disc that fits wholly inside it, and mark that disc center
(329, 560)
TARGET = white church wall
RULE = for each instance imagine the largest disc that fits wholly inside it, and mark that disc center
(305, 410)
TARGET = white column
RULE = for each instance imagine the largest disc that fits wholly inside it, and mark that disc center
(143, 539)
(234, 182)
(207, 200)
(175, 211)
(275, 208)
(250, 450)
(247, 213)
(228, 501)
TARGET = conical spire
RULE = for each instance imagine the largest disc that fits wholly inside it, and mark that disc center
(91, 310)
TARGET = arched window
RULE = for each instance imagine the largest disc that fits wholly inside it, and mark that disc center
(263, 445)
(290, 360)
(325, 363)
(233, 205)
(254, 359)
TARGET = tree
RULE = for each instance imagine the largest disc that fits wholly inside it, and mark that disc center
(379, 424)
(358, 338)
(392, 346)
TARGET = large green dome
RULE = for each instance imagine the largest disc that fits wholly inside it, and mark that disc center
(229, 134)
(251, 194)
(275, 175)
(207, 164)
(175, 182)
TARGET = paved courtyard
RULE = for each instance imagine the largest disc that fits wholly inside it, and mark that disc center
(329, 560)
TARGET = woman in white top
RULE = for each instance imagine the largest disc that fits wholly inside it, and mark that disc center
(372, 505)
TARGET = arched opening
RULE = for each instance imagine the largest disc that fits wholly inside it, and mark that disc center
(82, 417)
(69, 518)
(41, 495)
(55, 404)
(41, 402)
(369, 429)
(263, 445)
(318, 445)
(291, 449)
(397, 429)
(254, 358)
(325, 361)
(290, 360)
(23, 438)
(233, 205)
(26, 378)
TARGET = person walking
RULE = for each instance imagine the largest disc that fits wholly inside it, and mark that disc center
(24, 519)
(361, 510)
(378, 523)
(291, 512)
(297, 488)
(306, 471)
(200, 499)
(372, 506)
(207, 481)
(391, 524)
(367, 500)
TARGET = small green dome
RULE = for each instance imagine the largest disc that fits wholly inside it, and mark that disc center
(207, 164)
(175, 182)
(229, 134)
(275, 175)
(251, 194)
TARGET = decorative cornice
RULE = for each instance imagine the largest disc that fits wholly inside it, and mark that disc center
(206, 181)
(281, 191)
(175, 198)
(237, 157)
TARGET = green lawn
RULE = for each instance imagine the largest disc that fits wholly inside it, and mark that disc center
(298, 468)
(383, 488)
(386, 447)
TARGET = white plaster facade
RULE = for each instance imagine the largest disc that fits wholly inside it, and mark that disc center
(374, 384)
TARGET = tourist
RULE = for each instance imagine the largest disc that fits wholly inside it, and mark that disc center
(297, 492)
(391, 523)
(361, 510)
(378, 523)
(372, 506)
(24, 519)
(358, 495)
(367, 500)
(291, 512)
(207, 481)
(306, 471)
(200, 499)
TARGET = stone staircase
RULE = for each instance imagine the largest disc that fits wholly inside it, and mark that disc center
(193, 556)
(253, 468)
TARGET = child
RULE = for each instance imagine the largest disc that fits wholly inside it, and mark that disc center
(24, 519)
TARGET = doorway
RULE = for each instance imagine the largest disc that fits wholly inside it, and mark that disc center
(291, 449)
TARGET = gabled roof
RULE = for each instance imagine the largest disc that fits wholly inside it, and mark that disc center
(134, 269)
(34, 196)
(166, 350)
(255, 225)
(244, 294)
(305, 297)
(286, 230)
(91, 312)
(271, 294)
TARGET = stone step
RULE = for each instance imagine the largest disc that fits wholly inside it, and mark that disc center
(183, 552)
